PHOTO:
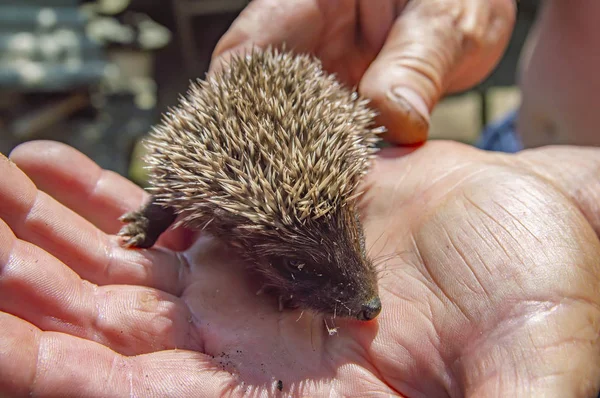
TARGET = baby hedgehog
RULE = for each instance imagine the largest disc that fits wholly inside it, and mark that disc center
(266, 155)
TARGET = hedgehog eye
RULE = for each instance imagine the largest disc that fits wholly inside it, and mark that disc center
(294, 265)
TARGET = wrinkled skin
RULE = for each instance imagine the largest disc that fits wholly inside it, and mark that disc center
(403, 55)
(489, 283)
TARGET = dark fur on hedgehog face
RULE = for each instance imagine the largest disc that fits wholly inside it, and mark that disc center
(322, 266)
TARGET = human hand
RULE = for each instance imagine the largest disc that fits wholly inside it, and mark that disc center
(489, 275)
(403, 55)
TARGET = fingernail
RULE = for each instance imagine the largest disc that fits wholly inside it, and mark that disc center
(412, 104)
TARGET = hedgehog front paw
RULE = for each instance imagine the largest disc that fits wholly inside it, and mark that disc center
(145, 225)
(136, 230)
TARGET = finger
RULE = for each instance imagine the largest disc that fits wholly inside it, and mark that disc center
(324, 29)
(36, 363)
(100, 196)
(433, 47)
(297, 23)
(132, 320)
(35, 217)
(575, 171)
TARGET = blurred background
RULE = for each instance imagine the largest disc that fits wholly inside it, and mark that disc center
(98, 74)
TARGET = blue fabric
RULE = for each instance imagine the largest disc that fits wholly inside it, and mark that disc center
(501, 136)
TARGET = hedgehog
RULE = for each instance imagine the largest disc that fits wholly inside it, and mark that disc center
(267, 155)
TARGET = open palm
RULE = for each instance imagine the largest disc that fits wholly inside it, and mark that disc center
(489, 274)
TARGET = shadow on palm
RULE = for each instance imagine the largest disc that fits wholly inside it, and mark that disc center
(247, 336)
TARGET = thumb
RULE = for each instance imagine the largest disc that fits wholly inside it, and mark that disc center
(434, 47)
(573, 170)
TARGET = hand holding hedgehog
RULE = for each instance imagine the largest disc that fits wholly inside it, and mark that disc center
(403, 55)
(491, 283)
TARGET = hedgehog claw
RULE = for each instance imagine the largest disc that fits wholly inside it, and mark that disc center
(144, 226)
(140, 240)
(132, 216)
(135, 231)
(135, 241)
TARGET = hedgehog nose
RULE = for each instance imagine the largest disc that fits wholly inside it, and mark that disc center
(370, 310)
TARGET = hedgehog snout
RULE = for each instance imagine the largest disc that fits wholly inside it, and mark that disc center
(356, 300)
